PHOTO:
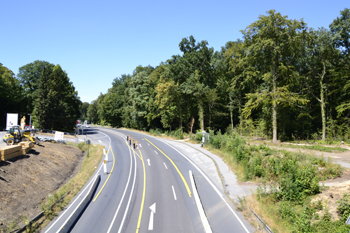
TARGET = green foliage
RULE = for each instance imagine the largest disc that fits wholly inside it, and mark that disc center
(343, 208)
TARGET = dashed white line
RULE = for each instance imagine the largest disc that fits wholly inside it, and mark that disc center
(165, 166)
(174, 192)
(148, 144)
(156, 152)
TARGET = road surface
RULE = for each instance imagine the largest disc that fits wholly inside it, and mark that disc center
(149, 189)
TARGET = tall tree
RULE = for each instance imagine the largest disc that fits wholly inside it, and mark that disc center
(29, 76)
(273, 43)
(320, 53)
(12, 96)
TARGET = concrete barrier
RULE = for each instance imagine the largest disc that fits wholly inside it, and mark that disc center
(202, 214)
(66, 227)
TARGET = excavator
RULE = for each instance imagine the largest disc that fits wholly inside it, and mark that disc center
(16, 135)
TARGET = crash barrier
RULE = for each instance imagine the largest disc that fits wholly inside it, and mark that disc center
(199, 205)
(40, 215)
(9, 152)
(80, 208)
(267, 228)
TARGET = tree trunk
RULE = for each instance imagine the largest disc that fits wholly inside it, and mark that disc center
(240, 118)
(201, 114)
(274, 106)
(323, 113)
(231, 114)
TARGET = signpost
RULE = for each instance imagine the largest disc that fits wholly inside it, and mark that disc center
(11, 120)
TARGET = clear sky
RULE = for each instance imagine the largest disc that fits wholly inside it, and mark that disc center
(97, 41)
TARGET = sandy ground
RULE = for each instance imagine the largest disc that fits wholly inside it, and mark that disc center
(26, 180)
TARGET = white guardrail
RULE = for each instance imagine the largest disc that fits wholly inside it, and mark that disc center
(80, 208)
(200, 206)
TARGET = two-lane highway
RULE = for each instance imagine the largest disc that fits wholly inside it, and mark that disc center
(149, 189)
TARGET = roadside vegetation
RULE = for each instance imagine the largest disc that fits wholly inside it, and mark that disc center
(53, 204)
(289, 183)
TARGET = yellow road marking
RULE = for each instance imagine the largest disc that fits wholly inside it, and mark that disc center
(177, 169)
(133, 150)
(107, 177)
(143, 195)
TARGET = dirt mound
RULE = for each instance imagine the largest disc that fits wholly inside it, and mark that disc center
(26, 180)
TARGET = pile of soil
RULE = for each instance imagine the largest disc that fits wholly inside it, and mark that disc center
(26, 180)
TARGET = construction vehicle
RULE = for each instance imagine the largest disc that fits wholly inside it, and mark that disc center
(15, 135)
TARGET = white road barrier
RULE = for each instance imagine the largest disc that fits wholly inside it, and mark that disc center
(80, 208)
(199, 205)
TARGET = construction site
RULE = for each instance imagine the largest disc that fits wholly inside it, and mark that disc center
(32, 166)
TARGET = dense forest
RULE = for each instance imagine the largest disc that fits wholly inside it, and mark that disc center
(43, 90)
(282, 80)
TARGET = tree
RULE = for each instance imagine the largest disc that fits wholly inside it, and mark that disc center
(29, 76)
(320, 53)
(12, 96)
(273, 44)
(198, 79)
(56, 103)
(340, 28)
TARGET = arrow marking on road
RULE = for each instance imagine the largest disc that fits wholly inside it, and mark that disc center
(153, 211)
(165, 166)
(156, 152)
(149, 162)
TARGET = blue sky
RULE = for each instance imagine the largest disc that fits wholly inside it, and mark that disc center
(97, 41)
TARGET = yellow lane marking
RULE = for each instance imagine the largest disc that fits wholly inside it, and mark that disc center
(143, 195)
(107, 177)
(177, 169)
(133, 150)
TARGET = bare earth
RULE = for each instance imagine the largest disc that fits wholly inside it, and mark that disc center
(26, 180)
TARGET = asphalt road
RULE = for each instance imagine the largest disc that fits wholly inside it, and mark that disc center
(148, 189)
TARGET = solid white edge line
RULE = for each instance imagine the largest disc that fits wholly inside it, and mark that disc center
(80, 192)
(199, 205)
(126, 187)
(209, 181)
(174, 192)
(132, 190)
(165, 166)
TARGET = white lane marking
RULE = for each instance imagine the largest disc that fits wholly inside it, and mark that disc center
(153, 211)
(149, 162)
(126, 187)
(132, 190)
(80, 192)
(140, 145)
(148, 144)
(174, 193)
(156, 152)
(209, 181)
(165, 166)
(99, 141)
(143, 139)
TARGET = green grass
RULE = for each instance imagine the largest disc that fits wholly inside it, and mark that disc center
(290, 180)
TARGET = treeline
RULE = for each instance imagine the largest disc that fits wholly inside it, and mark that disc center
(282, 79)
(43, 90)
